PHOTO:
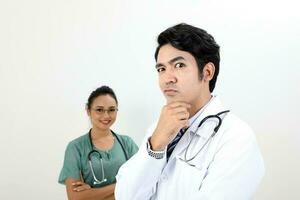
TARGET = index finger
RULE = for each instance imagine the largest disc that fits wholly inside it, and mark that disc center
(179, 104)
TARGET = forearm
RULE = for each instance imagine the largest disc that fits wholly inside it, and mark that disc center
(110, 197)
(103, 193)
(138, 177)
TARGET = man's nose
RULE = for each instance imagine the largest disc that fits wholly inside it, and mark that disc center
(170, 76)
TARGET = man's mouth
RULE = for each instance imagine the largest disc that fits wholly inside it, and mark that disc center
(170, 92)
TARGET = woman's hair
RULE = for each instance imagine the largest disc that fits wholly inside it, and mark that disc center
(101, 91)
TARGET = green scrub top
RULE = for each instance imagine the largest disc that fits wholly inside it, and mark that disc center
(76, 160)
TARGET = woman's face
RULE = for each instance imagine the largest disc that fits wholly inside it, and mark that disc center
(103, 112)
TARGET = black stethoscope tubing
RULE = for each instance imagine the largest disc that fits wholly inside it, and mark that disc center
(93, 150)
(96, 180)
(217, 116)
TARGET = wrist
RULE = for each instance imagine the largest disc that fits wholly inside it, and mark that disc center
(158, 154)
(155, 144)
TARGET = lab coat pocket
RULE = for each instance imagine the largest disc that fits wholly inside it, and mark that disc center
(191, 175)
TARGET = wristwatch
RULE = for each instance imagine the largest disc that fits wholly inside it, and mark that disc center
(154, 154)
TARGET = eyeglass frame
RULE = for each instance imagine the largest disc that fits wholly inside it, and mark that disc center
(103, 111)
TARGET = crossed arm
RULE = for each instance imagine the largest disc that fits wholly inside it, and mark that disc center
(78, 190)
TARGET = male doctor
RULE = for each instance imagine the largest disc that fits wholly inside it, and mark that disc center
(198, 149)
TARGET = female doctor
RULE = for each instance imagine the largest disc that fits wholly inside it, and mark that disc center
(92, 161)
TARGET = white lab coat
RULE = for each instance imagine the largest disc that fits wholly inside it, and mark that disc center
(229, 167)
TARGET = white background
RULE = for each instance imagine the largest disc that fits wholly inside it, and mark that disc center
(54, 53)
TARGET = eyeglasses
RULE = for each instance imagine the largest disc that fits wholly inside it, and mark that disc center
(110, 111)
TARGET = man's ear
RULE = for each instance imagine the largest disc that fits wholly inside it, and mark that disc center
(208, 71)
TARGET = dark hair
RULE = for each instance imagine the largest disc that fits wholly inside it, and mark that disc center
(197, 42)
(103, 90)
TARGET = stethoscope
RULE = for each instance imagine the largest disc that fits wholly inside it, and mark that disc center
(216, 116)
(103, 179)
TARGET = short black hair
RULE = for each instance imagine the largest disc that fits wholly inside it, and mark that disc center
(103, 90)
(197, 42)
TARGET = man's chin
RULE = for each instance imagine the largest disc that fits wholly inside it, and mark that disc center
(171, 99)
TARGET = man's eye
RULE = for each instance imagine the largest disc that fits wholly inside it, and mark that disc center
(112, 110)
(100, 110)
(160, 69)
(179, 65)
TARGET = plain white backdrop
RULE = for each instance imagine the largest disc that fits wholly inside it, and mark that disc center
(54, 53)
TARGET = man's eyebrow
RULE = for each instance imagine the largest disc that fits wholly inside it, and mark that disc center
(170, 62)
(158, 65)
(176, 59)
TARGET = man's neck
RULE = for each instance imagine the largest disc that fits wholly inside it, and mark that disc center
(199, 104)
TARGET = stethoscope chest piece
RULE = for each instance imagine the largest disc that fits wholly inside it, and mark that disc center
(103, 179)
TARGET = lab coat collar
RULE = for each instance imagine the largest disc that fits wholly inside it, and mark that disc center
(213, 107)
